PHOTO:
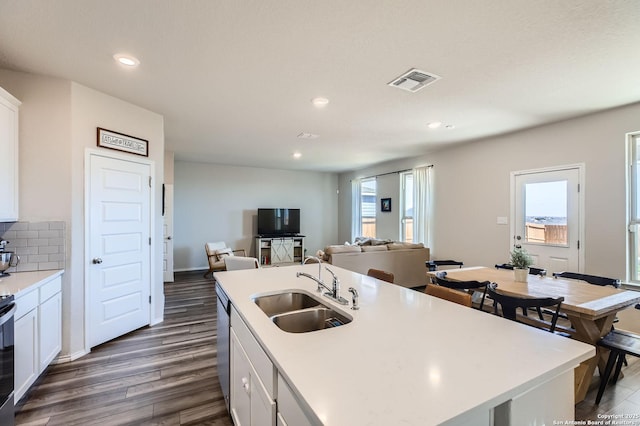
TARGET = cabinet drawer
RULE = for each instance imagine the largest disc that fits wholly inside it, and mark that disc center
(49, 289)
(259, 359)
(289, 409)
(26, 303)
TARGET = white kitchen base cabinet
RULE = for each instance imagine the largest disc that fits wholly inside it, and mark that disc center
(289, 410)
(252, 378)
(50, 329)
(26, 368)
(38, 331)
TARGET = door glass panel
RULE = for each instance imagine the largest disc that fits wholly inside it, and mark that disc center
(546, 213)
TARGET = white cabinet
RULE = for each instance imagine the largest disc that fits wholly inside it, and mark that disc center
(9, 156)
(38, 332)
(280, 250)
(252, 379)
(289, 410)
(26, 368)
(50, 327)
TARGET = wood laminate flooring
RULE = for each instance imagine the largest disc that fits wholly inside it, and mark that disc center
(160, 375)
(167, 374)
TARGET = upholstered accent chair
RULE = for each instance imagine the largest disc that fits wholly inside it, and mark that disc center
(216, 252)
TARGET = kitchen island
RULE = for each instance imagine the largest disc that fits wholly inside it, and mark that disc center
(405, 358)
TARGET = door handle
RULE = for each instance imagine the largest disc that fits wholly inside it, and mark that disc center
(168, 238)
(96, 261)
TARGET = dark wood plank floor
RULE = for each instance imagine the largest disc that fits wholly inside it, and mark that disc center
(160, 375)
(167, 374)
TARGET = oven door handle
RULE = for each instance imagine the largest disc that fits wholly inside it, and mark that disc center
(6, 316)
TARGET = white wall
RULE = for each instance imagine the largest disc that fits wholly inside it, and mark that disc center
(219, 203)
(471, 188)
(58, 121)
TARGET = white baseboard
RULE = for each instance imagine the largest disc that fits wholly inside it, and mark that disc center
(61, 359)
(197, 268)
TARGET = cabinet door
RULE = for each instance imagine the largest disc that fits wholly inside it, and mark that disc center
(263, 408)
(9, 156)
(50, 320)
(26, 351)
(240, 384)
(282, 250)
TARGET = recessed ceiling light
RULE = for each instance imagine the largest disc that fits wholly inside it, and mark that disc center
(320, 102)
(297, 155)
(126, 60)
(449, 126)
(434, 124)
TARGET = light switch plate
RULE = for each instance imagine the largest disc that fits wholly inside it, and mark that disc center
(502, 220)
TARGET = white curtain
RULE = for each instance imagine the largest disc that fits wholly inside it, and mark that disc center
(422, 205)
(356, 209)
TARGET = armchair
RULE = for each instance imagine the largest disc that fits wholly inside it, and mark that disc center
(216, 252)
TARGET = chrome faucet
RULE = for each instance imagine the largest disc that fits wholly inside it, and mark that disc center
(332, 293)
(354, 298)
(319, 267)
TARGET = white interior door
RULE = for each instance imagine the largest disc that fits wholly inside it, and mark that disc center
(167, 231)
(547, 217)
(119, 258)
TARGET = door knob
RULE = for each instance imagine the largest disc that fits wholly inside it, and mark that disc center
(168, 238)
(96, 261)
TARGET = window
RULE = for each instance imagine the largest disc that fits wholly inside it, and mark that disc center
(368, 207)
(406, 206)
(634, 208)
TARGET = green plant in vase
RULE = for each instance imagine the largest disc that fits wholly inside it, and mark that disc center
(521, 261)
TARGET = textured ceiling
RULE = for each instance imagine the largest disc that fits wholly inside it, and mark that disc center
(234, 79)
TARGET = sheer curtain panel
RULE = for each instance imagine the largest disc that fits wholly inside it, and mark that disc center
(356, 209)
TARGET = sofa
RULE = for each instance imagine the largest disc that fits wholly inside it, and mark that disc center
(405, 260)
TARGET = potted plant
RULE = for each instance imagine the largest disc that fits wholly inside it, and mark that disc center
(521, 261)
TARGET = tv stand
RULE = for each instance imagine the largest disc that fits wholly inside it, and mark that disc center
(279, 250)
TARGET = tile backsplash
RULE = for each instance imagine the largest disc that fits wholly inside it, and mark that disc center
(40, 245)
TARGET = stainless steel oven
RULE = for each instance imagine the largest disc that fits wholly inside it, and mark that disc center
(7, 311)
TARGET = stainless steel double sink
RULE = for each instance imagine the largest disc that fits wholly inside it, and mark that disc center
(297, 312)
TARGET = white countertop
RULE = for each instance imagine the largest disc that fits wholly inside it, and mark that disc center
(18, 282)
(406, 358)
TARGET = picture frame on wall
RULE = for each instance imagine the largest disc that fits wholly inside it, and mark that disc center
(385, 204)
(121, 142)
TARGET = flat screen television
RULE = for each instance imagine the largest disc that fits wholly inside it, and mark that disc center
(278, 222)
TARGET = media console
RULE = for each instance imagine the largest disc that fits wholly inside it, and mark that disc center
(279, 250)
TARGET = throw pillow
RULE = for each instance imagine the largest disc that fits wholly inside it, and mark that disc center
(220, 254)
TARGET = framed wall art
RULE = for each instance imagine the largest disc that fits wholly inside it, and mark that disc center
(385, 204)
(121, 142)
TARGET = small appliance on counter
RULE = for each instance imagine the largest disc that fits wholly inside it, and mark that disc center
(8, 259)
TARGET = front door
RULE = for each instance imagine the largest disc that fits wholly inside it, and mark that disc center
(546, 217)
(119, 255)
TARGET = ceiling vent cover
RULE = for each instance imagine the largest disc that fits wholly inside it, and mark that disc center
(413, 80)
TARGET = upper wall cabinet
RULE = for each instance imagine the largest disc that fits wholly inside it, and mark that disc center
(8, 157)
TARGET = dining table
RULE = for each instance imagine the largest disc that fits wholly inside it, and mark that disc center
(591, 309)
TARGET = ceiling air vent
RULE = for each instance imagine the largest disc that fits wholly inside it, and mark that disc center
(413, 80)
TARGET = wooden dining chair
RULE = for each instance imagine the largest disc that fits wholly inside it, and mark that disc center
(510, 304)
(532, 269)
(381, 275)
(445, 293)
(620, 343)
(441, 280)
(433, 265)
(591, 279)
